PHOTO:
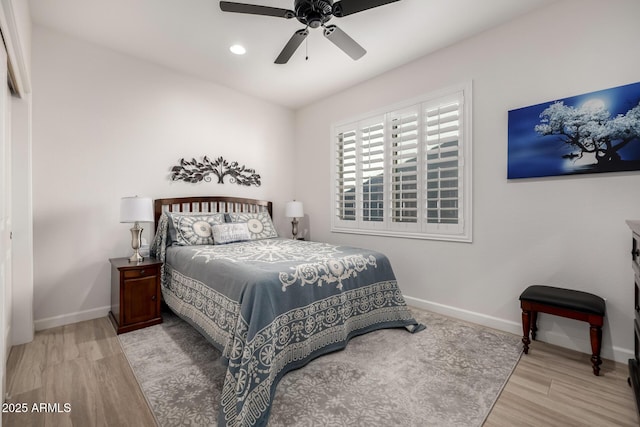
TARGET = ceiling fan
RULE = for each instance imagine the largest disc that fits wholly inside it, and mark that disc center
(314, 14)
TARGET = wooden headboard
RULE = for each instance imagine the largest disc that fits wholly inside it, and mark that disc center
(220, 204)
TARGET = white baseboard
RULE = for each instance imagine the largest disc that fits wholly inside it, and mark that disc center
(67, 319)
(582, 345)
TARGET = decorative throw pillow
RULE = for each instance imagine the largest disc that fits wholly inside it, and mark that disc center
(229, 233)
(187, 229)
(259, 224)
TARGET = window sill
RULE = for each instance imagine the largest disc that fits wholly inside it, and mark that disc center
(464, 238)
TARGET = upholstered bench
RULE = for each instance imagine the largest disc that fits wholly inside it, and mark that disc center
(568, 303)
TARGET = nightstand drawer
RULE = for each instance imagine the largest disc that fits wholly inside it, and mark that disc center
(144, 272)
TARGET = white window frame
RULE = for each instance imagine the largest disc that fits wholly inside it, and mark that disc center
(421, 229)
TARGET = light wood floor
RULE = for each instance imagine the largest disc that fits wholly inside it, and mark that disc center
(553, 386)
(83, 365)
(80, 364)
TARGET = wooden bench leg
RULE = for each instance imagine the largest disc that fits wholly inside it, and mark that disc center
(596, 342)
(526, 328)
(534, 325)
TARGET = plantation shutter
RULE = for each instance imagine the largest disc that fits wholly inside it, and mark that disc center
(406, 172)
(346, 174)
(443, 163)
(405, 153)
(372, 170)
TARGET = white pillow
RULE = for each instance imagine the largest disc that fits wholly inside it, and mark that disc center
(229, 233)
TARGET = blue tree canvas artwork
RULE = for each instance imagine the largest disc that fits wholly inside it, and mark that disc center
(590, 133)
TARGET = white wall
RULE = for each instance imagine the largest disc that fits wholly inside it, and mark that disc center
(106, 126)
(567, 231)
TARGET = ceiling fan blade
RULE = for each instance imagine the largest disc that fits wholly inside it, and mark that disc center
(344, 42)
(348, 7)
(291, 46)
(254, 9)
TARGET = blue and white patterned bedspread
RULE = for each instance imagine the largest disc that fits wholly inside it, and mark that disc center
(273, 305)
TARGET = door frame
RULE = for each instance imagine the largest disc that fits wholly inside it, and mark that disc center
(15, 25)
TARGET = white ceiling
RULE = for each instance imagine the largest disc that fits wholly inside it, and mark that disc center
(194, 36)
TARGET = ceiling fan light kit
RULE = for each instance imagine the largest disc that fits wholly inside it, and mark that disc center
(312, 14)
(238, 49)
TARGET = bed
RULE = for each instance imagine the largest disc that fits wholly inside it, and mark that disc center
(269, 304)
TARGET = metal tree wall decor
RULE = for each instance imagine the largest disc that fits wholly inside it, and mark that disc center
(194, 171)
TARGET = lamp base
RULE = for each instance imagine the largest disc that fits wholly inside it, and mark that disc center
(294, 228)
(136, 233)
(136, 257)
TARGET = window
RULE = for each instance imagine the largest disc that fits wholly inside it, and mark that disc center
(406, 171)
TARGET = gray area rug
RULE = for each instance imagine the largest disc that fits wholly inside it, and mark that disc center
(447, 375)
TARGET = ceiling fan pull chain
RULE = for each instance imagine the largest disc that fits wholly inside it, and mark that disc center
(306, 49)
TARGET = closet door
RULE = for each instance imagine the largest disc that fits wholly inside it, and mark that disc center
(5, 217)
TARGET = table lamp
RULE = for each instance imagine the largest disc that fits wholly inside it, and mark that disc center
(294, 210)
(136, 210)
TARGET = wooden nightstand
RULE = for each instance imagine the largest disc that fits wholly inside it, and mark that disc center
(135, 294)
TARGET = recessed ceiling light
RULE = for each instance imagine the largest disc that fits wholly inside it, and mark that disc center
(238, 49)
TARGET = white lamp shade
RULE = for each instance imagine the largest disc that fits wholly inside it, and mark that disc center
(136, 209)
(294, 210)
